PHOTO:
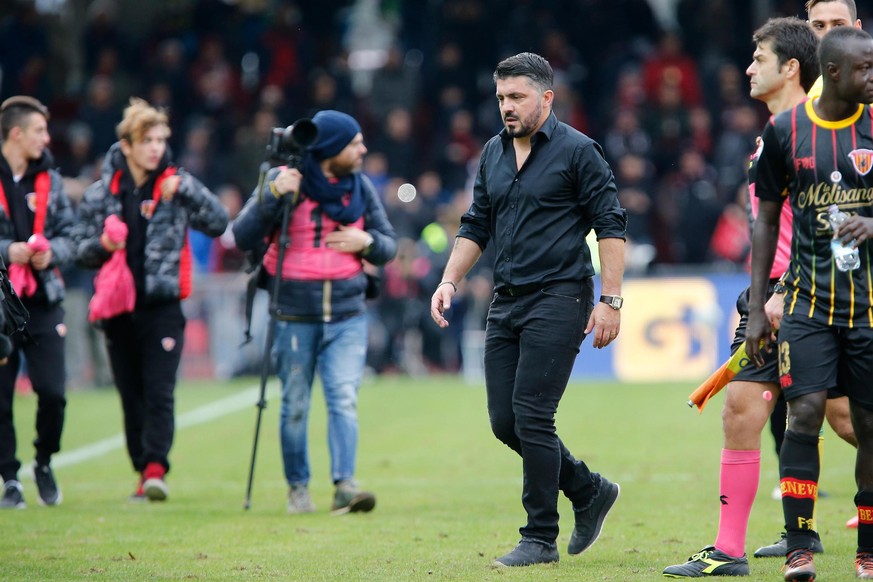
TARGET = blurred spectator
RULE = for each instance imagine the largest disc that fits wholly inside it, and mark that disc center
(395, 85)
(101, 112)
(625, 136)
(23, 49)
(668, 124)
(456, 149)
(669, 65)
(689, 208)
(734, 148)
(398, 144)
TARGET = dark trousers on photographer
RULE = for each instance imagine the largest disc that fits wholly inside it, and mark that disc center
(45, 367)
(145, 348)
(531, 344)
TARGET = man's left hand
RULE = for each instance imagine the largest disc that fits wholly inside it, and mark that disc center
(169, 187)
(605, 322)
(41, 260)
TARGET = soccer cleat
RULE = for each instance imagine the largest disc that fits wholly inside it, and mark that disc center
(589, 521)
(528, 552)
(780, 548)
(864, 565)
(853, 522)
(13, 495)
(799, 565)
(46, 486)
(154, 486)
(299, 500)
(709, 562)
(349, 499)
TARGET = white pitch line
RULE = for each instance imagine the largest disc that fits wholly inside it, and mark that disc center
(201, 415)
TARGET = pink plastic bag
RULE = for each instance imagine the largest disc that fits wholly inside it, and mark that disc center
(114, 289)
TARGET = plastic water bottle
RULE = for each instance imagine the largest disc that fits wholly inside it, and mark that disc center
(845, 256)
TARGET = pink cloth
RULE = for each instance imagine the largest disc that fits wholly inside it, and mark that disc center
(738, 484)
(21, 276)
(114, 289)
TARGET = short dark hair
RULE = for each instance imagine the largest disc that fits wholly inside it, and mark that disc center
(834, 45)
(792, 38)
(15, 110)
(530, 65)
(850, 4)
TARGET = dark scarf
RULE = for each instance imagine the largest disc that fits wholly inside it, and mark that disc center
(330, 195)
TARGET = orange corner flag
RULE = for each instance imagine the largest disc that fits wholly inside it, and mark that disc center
(719, 379)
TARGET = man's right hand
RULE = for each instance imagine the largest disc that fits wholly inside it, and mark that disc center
(287, 180)
(759, 335)
(442, 302)
(20, 253)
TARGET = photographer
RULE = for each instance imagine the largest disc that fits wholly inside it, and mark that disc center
(141, 208)
(336, 223)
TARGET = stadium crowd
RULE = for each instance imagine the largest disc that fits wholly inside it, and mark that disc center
(669, 104)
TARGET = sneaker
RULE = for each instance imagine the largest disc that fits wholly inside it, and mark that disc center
(864, 566)
(709, 562)
(154, 486)
(853, 522)
(589, 521)
(46, 486)
(13, 495)
(799, 565)
(528, 552)
(299, 500)
(780, 548)
(349, 499)
(139, 495)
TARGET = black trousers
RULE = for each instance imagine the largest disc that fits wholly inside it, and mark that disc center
(145, 348)
(45, 365)
(531, 344)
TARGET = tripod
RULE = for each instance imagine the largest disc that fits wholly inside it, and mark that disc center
(288, 201)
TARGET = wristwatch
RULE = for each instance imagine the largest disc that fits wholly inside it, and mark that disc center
(779, 288)
(614, 301)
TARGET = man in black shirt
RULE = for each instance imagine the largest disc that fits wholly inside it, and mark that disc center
(819, 154)
(541, 188)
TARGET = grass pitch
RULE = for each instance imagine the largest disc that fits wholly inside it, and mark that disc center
(448, 493)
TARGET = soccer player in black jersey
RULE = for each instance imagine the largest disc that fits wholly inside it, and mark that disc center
(817, 154)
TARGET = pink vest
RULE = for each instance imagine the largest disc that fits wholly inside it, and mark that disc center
(307, 258)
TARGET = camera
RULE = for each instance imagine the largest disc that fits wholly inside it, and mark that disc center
(288, 144)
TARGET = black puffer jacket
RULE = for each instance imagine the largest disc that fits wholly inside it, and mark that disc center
(166, 258)
(58, 224)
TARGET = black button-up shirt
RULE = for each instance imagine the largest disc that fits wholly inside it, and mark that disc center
(539, 215)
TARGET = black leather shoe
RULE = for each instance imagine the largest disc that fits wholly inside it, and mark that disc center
(528, 552)
(589, 521)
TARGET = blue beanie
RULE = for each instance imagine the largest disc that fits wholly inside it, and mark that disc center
(335, 131)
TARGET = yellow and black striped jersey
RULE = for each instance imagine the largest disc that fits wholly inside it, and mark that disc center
(816, 163)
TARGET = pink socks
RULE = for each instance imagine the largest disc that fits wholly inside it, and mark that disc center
(738, 485)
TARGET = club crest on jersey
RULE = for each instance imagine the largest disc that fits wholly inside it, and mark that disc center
(147, 208)
(30, 199)
(862, 160)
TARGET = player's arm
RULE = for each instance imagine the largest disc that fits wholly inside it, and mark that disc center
(771, 183)
(463, 257)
